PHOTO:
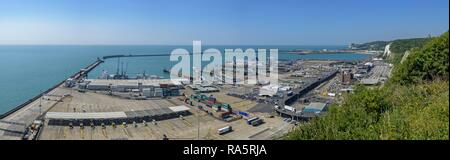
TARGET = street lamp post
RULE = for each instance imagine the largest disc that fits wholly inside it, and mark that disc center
(198, 125)
(40, 103)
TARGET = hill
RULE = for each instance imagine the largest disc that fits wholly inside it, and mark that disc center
(375, 45)
(398, 47)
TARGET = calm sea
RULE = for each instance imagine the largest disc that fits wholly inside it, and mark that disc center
(28, 70)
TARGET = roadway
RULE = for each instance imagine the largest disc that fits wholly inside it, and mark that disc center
(26, 115)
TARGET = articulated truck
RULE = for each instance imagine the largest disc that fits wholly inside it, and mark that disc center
(224, 130)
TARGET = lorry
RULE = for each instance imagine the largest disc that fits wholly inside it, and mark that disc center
(221, 107)
(277, 107)
(256, 122)
(289, 108)
(224, 130)
(249, 121)
(290, 93)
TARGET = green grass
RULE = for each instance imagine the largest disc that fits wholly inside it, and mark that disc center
(393, 112)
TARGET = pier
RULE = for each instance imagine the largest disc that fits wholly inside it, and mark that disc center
(14, 122)
(138, 55)
(82, 73)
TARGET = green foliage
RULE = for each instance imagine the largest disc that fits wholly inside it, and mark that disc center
(402, 45)
(413, 105)
(393, 112)
(422, 113)
(376, 45)
(399, 47)
(373, 100)
(425, 64)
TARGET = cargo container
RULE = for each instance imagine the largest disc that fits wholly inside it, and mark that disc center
(148, 92)
(158, 92)
(243, 114)
(175, 92)
(222, 107)
(210, 103)
(163, 85)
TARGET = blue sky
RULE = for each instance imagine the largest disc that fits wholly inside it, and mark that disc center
(281, 22)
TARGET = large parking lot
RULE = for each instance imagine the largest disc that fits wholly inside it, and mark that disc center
(199, 125)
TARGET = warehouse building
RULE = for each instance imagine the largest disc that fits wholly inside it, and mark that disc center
(315, 107)
(107, 118)
(148, 88)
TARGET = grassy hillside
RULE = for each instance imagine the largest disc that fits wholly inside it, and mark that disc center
(425, 64)
(399, 47)
(413, 105)
(402, 45)
(376, 45)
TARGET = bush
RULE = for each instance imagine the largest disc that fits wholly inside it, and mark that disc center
(394, 112)
(425, 64)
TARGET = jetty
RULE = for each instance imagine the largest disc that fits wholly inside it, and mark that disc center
(13, 124)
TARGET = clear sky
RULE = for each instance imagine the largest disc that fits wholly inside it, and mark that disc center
(278, 22)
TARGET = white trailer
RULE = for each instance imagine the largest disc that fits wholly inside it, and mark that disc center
(289, 108)
(224, 130)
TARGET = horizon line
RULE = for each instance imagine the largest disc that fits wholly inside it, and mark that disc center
(173, 44)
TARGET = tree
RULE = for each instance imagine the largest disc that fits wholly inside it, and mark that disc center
(425, 64)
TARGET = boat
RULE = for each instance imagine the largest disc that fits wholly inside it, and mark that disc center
(165, 70)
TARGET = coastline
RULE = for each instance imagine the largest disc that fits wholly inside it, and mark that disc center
(89, 68)
(25, 110)
(306, 52)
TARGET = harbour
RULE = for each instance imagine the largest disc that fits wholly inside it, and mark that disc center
(223, 70)
(17, 121)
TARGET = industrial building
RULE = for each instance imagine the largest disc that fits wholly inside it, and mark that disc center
(128, 84)
(369, 81)
(203, 88)
(346, 77)
(107, 118)
(147, 88)
(315, 107)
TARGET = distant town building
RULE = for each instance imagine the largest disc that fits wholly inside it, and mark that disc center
(346, 77)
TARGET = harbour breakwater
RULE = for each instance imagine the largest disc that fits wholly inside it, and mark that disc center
(77, 75)
(134, 55)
